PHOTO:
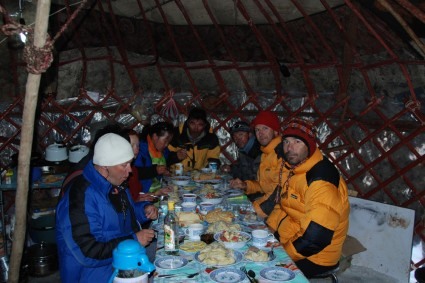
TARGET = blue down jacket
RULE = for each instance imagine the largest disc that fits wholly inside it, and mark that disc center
(88, 228)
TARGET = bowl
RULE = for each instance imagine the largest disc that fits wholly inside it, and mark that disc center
(188, 206)
(242, 239)
(56, 152)
(212, 200)
(189, 197)
(180, 180)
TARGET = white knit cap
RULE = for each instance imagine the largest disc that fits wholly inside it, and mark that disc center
(112, 149)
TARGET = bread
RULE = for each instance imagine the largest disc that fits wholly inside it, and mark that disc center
(187, 218)
(219, 215)
(193, 247)
(255, 254)
(221, 226)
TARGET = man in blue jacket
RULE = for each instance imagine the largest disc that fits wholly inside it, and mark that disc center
(96, 213)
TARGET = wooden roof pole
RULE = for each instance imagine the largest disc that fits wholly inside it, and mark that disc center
(28, 118)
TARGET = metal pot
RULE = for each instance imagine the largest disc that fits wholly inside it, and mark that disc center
(77, 152)
(42, 259)
(56, 152)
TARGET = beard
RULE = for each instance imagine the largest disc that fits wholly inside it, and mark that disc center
(291, 158)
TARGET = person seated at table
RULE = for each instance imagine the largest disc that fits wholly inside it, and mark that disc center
(311, 218)
(154, 157)
(194, 137)
(266, 126)
(96, 213)
(246, 166)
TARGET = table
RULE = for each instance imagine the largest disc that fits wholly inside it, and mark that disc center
(193, 266)
(50, 181)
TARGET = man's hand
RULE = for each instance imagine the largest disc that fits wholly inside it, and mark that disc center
(181, 154)
(163, 191)
(225, 168)
(145, 197)
(151, 212)
(238, 184)
(145, 236)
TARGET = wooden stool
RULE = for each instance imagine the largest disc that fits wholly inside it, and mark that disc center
(328, 274)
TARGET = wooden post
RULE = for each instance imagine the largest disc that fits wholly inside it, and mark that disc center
(27, 131)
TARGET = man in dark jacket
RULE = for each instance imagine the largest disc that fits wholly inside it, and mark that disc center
(96, 213)
(246, 166)
(195, 139)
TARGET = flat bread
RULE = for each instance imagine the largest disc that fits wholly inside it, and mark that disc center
(193, 247)
(219, 215)
(187, 218)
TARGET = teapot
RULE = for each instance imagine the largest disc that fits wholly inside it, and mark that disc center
(130, 257)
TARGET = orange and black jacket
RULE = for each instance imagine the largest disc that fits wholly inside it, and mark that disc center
(311, 218)
(199, 154)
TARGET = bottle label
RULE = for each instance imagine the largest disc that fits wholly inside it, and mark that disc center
(169, 239)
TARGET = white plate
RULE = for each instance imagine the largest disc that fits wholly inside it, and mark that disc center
(233, 193)
(227, 275)
(238, 258)
(214, 182)
(171, 262)
(277, 274)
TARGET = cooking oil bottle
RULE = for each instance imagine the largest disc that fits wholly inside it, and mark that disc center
(171, 231)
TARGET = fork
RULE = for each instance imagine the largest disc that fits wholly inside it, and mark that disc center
(243, 269)
(188, 275)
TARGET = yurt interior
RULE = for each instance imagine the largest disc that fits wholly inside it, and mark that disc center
(354, 68)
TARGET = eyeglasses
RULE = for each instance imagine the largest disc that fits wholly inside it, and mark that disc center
(238, 126)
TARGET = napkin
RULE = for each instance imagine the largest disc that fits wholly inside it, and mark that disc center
(241, 197)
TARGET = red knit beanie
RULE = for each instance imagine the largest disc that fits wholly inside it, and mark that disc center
(267, 118)
(303, 130)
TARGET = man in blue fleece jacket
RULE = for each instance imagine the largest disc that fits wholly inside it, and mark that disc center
(96, 213)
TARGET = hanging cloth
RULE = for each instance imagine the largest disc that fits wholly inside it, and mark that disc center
(157, 158)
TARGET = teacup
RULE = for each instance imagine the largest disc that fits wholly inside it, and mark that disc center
(188, 206)
(260, 237)
(194, 231)
(204, 207)
(189, 198)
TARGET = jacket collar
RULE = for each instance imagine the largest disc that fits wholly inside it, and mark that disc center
(306, 165)
(94, 177)
(272, 144)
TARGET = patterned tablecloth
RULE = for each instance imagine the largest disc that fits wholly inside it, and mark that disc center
(191, 265)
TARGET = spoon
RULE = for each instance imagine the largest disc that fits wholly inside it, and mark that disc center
(252, 274)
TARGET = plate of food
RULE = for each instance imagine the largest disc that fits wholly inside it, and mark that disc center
(171, 262)
(180, 180)
(257, 255)
(192, 246)
(215, 254)
(215, 183)
(232, 239)
(212, 197)
(227, 275)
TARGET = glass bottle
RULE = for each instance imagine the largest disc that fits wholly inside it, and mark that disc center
(171, 231)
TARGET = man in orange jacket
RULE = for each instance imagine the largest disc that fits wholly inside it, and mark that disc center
(311, 215)
(266, 126)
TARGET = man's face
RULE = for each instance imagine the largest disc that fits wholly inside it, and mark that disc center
(117, 174)
(240, 138)
(264, 134)
(295, 150)
(161, 142)
(196, 127)
(134, 141)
